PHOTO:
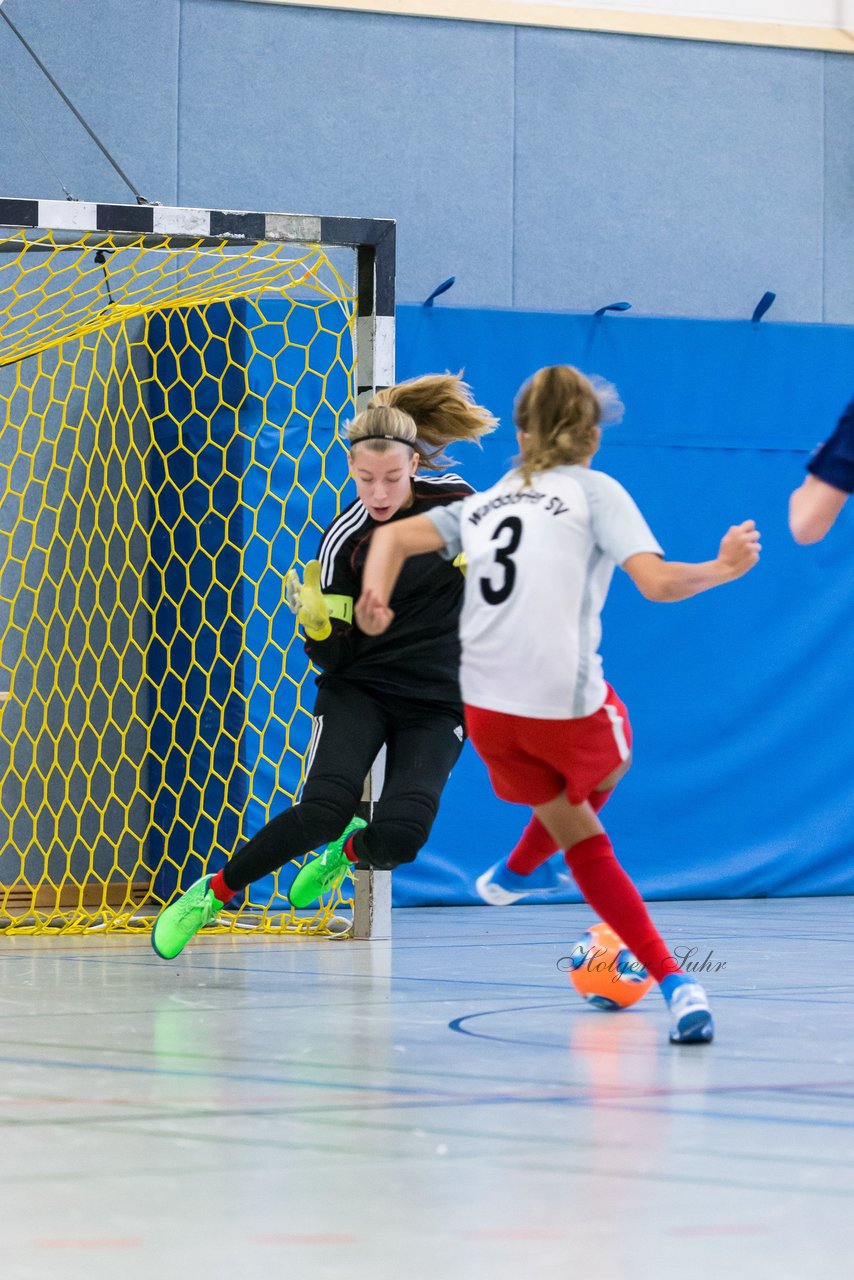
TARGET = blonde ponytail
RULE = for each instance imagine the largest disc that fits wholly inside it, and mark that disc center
(443, 410)
(558, 411)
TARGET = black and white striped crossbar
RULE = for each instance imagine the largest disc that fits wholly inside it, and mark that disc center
(372, 238)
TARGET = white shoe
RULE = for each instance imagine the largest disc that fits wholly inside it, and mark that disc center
(499, 886)
(690, 1015)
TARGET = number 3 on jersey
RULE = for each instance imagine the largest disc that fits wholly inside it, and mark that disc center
(503, 557)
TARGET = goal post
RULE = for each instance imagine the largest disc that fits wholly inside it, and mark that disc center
(173, 384)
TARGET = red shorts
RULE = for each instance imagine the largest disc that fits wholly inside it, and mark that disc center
(533, 761)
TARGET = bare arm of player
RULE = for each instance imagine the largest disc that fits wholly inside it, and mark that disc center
(813, 509)
(390, 546)
(666, 580)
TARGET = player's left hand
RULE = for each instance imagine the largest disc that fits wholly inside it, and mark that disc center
(372, 616)
(739, 549)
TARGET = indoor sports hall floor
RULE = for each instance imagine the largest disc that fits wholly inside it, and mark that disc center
(442, 1106)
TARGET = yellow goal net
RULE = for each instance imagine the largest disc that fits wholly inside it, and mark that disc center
(170, 414)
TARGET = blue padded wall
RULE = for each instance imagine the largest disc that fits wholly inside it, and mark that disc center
(743, 781)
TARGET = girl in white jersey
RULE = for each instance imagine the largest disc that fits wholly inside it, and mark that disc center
(541, 547)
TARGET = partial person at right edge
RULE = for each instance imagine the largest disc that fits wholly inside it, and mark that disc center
(815, 505)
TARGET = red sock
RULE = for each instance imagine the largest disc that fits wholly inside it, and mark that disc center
(534, 848)
(348, 849)
(598, 799)
(220, 889)
(611, 894)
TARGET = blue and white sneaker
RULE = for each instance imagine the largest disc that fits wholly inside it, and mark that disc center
(499, 886)
(690, 1015)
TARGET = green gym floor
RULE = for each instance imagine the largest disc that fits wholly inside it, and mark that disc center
(439, 1107)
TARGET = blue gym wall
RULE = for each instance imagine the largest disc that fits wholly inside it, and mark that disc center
(557, 171)
(545, 169)
(743, 781)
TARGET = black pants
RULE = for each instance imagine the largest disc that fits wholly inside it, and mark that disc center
(422, 746)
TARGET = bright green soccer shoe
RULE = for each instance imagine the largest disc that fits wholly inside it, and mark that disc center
(325, 873)
(182, 920)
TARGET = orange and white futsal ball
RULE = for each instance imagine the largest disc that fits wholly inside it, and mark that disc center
(604, 971)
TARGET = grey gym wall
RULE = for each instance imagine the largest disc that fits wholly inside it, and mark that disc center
(543, 168)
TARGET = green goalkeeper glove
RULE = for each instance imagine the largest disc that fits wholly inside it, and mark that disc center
(314, 609)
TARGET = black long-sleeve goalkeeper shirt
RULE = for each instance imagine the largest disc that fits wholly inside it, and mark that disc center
(418, 656)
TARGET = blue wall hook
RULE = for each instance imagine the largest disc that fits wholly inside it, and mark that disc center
(613, 306)
(762, 306)
(440, 288)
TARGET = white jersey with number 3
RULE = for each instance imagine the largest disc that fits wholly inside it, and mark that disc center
(540, 561)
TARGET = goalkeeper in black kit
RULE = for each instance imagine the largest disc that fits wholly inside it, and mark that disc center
(399, 690)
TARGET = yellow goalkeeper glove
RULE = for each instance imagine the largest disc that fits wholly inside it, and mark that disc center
(314, 609)
(306, 600)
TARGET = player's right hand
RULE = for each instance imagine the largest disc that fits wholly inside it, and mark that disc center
(305, 599)
(740, 548)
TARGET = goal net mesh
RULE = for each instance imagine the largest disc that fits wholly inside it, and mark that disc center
(170, 414)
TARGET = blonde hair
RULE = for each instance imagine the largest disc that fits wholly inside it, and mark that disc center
(381, 427)
(558, 411)
(427, 413)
